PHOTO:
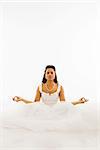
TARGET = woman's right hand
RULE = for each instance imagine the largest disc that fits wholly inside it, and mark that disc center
(17, 98)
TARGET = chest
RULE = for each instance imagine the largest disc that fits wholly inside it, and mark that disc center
(49, 90)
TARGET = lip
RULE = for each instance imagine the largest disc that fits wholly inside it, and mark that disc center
(50, 76)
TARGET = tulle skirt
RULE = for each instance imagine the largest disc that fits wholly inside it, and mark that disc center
(61, 116)
(40, 125)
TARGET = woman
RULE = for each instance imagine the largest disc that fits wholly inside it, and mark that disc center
(50, 90)
(48, 112)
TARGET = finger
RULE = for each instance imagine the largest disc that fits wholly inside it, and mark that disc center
(82, 101)
(13, 98)
(82, 98)
(86, 100)
(16, 98)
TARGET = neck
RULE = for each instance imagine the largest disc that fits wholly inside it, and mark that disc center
(50, 82)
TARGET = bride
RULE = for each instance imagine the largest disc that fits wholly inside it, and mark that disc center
(49, 108)
(50, 114)
(50, 90)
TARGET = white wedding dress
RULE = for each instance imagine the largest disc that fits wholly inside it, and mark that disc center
(48, 115)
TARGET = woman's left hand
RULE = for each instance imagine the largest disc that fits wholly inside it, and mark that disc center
(82, 100)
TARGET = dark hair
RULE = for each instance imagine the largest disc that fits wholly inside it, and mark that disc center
(44, 80)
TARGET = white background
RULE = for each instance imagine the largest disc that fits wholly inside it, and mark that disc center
(60, 33)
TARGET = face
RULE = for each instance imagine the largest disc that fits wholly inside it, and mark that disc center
(50, 74)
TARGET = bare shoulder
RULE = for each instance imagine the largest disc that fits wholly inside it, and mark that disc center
(61, 94)
(61, 88)
(38, 94)
(39, 88)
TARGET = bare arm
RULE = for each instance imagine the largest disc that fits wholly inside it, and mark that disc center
(75, 102)
(38, 95)
(37, 98)
(80, 101)
(26, 101)
(17, 99)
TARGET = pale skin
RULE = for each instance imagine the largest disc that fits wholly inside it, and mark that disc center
(52, 87)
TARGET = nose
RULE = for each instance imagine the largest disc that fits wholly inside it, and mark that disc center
(50, 75)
